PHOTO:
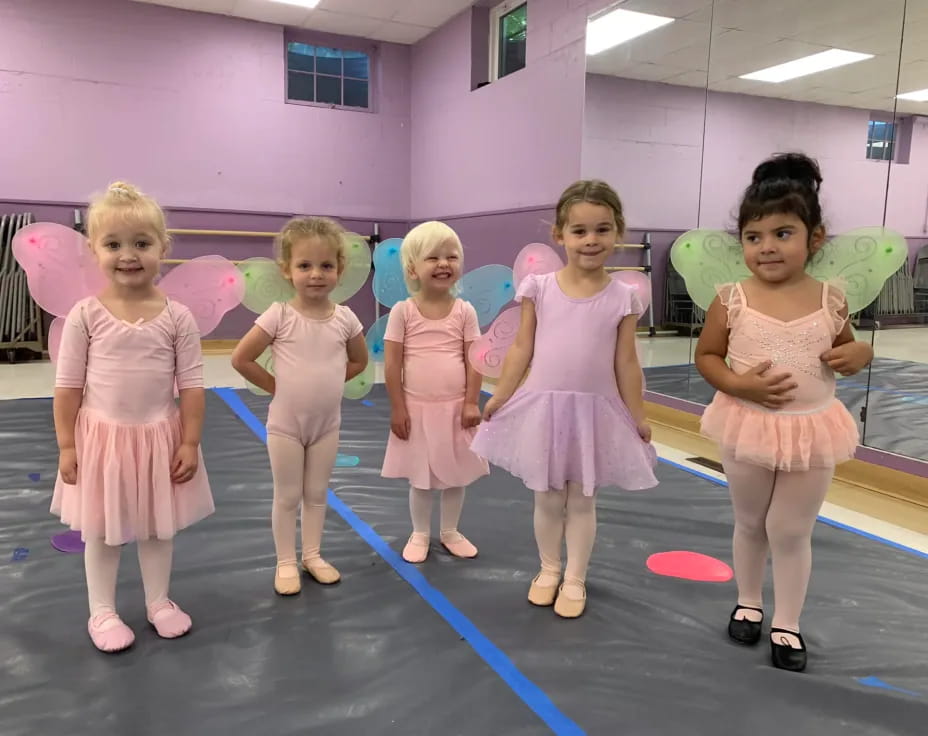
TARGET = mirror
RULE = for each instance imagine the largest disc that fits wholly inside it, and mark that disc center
(644, 115)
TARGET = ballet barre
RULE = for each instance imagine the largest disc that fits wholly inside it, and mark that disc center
(175, 261)
(230, 233)
(628, 268)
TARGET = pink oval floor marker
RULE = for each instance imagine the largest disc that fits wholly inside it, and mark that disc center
(689, 566)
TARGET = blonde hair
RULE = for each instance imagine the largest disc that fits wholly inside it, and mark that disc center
(301, 228)
(593, 191)
(422, 240)
(131, 204)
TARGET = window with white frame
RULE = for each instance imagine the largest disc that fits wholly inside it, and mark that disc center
(507, 38)
(881, 137)
(326, 76)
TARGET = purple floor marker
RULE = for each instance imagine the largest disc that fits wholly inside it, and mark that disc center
(20, 554)
(35, 477)
(68, 542)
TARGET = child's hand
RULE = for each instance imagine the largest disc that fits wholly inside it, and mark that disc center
(470, 416)
(850, 358)
(491, 407)
(769, 391)
(399, 424)
(67, 465)
(644, 431)
(184, 465)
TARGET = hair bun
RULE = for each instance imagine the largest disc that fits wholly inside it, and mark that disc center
(122, 189)
(790, 166)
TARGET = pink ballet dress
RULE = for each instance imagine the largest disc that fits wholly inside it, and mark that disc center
(310, 358)
(128, 426)
(437, 454)
(815, 430)
(567, 422)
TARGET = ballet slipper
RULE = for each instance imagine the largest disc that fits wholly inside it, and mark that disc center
(566, 607)
(321, 571)
(114, 638)
(169, 620)
(286, 584)
(417, 548)
(540, 594)
(458, 545)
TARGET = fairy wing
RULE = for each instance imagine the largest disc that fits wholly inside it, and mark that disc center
(389, 284)
(209, 286)
(361, 385)
(487, 352)
(535, 258)
(488, 289)
(357, 268)
(862, 260)
(60, 268)
(705, 259)
(264, 284)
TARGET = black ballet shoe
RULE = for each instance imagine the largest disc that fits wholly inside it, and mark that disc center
(742, 630)
(786, 657)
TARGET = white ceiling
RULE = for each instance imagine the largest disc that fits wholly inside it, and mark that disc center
(396, 21)
(748, 35)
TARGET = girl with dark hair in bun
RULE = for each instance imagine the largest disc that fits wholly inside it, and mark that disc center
(770, 346)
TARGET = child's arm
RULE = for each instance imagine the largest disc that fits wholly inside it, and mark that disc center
(246, 354)
(847, 355)
(517, 360)
(629, 375)
(188, 374)
(65, 406)
(393, 376)
(470, 414)
(357, 357)
(71, 374)
(711, 352)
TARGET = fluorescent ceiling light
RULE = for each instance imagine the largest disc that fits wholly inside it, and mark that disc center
(301, 3)
(919, 95)
(618, 27)
(807, 65)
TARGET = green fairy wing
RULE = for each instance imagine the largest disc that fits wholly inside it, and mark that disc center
(264, 284)
(705, 259)
(862, 260)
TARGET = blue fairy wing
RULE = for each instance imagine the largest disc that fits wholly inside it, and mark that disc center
(488, 289)
(389, 285)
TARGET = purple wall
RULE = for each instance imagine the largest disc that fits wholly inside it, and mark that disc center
(190, 107)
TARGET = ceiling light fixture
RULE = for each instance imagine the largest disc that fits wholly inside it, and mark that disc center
(807, 65)
(919, 95)
(618, 27)
(301, 3)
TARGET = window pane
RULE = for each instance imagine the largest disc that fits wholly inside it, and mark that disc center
(357, 65)
(300, 61)
(328, 61)
(512, 40)
(329, 90)
(355, 93)
(300, 86)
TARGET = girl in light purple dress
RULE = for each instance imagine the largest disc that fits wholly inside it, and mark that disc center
(577, 423)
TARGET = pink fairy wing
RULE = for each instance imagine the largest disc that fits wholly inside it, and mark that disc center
(209, 286)
(639, 281)
(535, 258)
(59, 266)
(487, 352)
(54, 337)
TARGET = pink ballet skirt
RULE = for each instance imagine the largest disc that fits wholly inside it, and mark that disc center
(567, 422)
(124, 490)
(778, 440)
(815, 430)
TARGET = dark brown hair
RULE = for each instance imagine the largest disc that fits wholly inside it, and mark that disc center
(786, 184)
(593, 191)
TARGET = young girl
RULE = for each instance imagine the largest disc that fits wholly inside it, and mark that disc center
(578, 422)
(775, 415)
(317, 346)
(130, 466)
(433, 389)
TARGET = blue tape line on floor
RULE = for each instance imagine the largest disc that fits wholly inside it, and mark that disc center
(878, 683)
(525, 689)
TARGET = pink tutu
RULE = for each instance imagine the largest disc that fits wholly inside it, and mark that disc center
(437, 454)
(124, 490)
(779, 440)
(547, 438)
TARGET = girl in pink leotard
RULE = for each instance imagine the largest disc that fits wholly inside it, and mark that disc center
(316, 346)
(130, 467)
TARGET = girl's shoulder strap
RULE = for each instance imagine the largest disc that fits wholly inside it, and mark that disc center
(731, 296)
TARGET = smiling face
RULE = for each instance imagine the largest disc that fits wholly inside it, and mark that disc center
(777, 247)
(313, 268)
(438, 270)
(589, 235)
(129, 251)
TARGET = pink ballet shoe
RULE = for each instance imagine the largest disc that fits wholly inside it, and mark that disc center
(321, 571)
(416, 549)
(570, 607)
(169, 620)
(458, 545)
(114, 638)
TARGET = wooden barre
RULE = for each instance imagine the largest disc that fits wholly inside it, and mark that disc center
(625, 268)
(175, 261)
(230, 233)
